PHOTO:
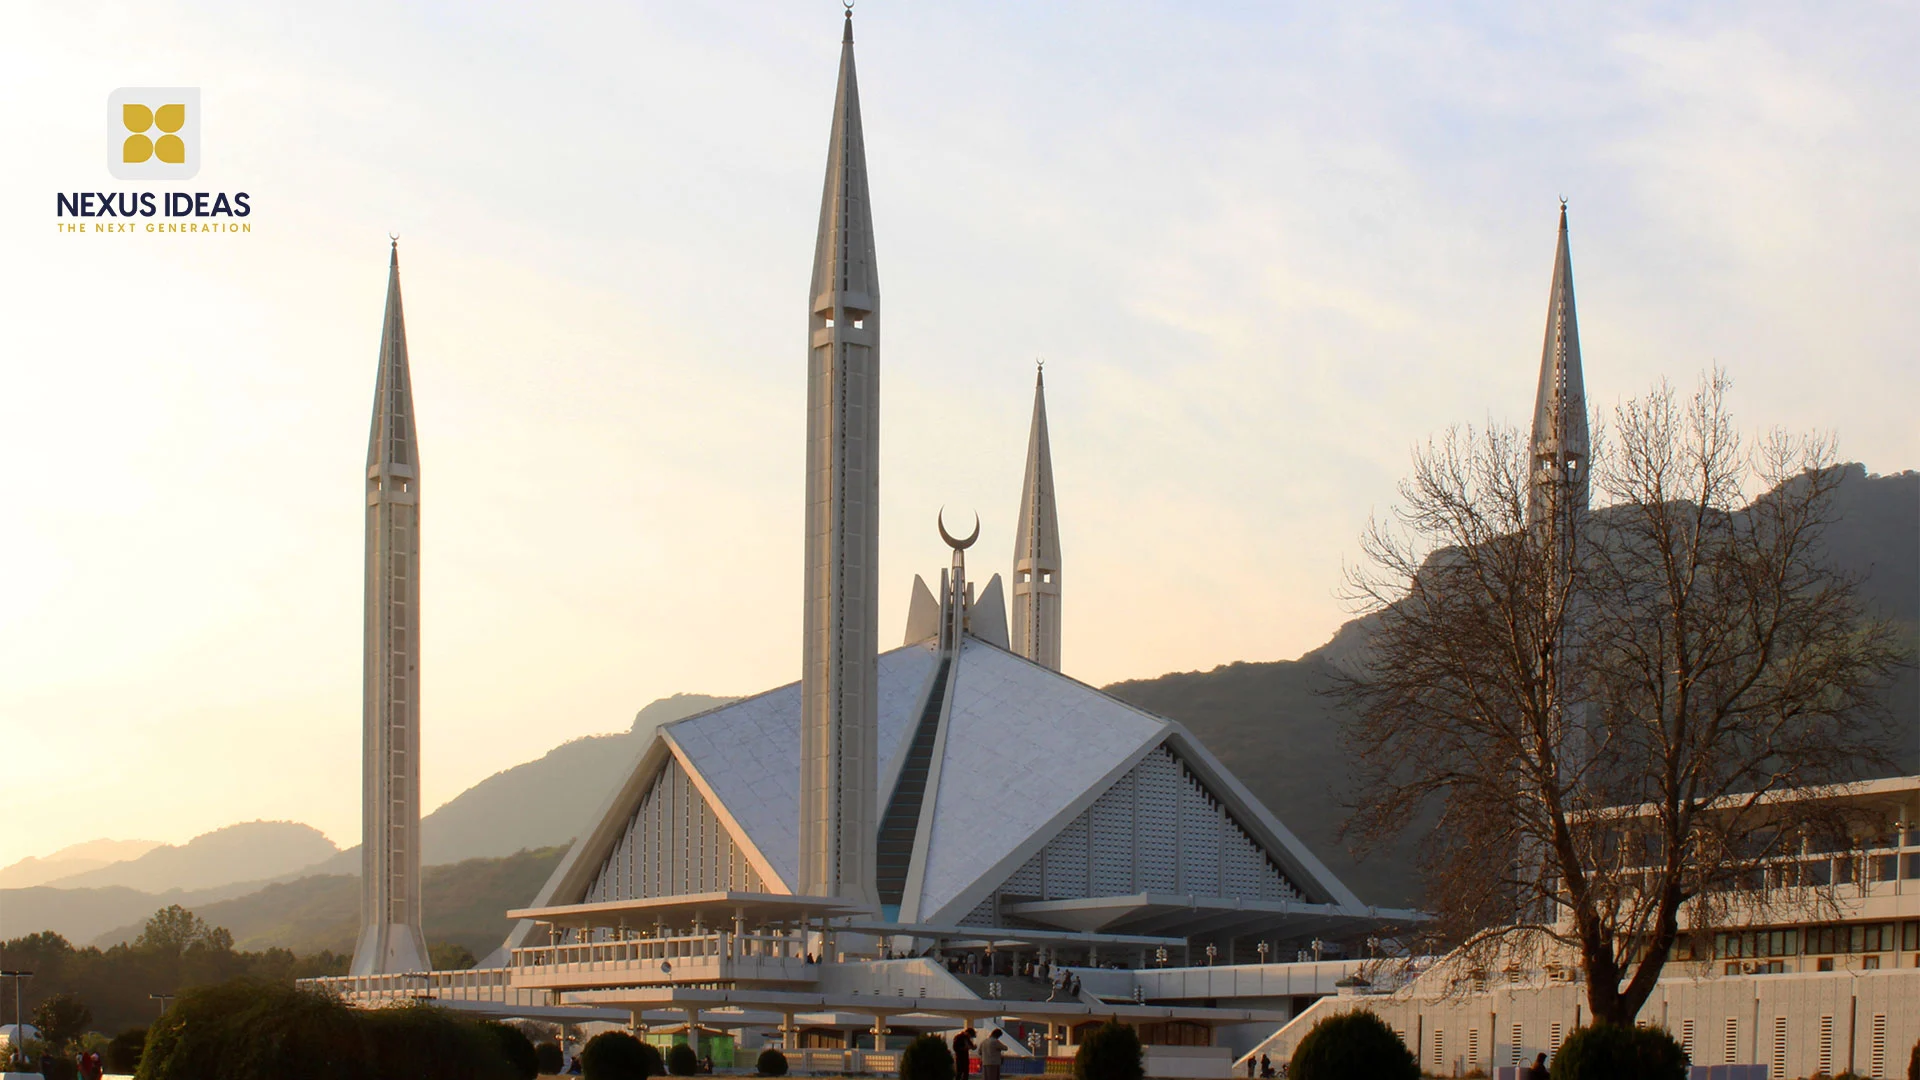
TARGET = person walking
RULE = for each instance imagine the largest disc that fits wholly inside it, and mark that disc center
(1539, 1070)
(991, 1052)
(1266, 1067)
(962, 1050)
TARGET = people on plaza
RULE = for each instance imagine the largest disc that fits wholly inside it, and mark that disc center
(962, 1050)
(1539, 1070)
(991, 1051)
(1266, 1067)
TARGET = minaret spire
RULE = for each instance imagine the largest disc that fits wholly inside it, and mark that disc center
(391, 940)
(1560, 446)
(839, 725)
(1036, 550)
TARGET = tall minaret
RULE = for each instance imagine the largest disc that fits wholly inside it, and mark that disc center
(1036, 547)
(1560, 406)
(390, 937)
(839, 730)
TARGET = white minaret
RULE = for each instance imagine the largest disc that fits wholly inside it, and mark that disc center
(1036, 550)
(839, 731)
(390, 937)
(1560, 446)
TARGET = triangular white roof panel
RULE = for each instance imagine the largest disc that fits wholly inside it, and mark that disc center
(747, 751)
(1023, 744)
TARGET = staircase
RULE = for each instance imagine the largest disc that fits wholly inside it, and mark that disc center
(1012, 987)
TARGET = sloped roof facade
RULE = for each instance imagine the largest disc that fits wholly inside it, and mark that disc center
(1041, 789)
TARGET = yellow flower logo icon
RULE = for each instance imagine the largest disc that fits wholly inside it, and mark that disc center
(153, 132)
(140, 120)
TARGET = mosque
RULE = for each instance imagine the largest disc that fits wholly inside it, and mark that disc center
(906, 838)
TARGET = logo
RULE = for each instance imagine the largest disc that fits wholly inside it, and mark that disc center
(153, 132)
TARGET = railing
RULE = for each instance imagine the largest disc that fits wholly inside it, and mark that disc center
(697, 958)
(473, 984)
(641, 950)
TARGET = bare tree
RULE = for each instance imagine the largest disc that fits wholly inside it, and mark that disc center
(1603, 711)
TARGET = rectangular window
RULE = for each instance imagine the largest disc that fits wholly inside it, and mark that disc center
(1779, 1046)
(1910, 936)
(1877, 1048)
(1826, 1046)
(1730, 1047)
(1686, 1036)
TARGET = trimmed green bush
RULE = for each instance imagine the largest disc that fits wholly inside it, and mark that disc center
(1610, 1052)
(248, 1030)
(771, 1063)
(515, 1047)
(550, 1058)
(617, 1055)
(1110, 1052)
(1913, 1063)
(613, 1055)
(423, 1042)
(927, 1058)
(123, 1053)
(1352, 1045)
(682, 1061)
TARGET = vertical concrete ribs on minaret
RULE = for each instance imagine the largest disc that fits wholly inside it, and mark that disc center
(391, 940)
(839, 726)
(1036, 553)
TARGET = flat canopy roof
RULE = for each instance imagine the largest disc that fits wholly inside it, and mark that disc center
(753, 907)
(1008, 935)
(641, 999)
(1200, 916)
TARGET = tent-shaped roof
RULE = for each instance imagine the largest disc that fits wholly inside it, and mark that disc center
(1035, 792)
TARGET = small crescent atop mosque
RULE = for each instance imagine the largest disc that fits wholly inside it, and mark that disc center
(958, 545)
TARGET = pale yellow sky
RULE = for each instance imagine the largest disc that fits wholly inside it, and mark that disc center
(1263, 252)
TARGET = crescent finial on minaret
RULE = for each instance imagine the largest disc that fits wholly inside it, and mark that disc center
(958, 545)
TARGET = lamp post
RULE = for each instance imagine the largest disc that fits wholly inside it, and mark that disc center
(1262, 950)
(19, 1019)
(162, 999)
(1212, 952)
(1160, 956)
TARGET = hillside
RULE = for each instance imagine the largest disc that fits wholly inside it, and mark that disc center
(464, 904)
(70, 860)
(253, 851)
(1274, 726)
(83, 914)
(538, 804)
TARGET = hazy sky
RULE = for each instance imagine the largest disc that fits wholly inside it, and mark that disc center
(1264, 249)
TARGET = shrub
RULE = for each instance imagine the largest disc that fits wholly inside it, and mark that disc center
(422, 1042)
(516, 1048)
(1913, 1063)
(123, 1053)
(1110, 1052)
(682, 1061)
(1611, 1052)
(550, 1058)
(617, 1055)
(771, 1063)
(1353, 1044)
(927, 1058)
(246, 1030)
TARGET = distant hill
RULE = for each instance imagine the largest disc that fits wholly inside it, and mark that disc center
(465, 904)
(70, 860)
(1275, 728)
(253, 851)
(538, 804)
(82, 914)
